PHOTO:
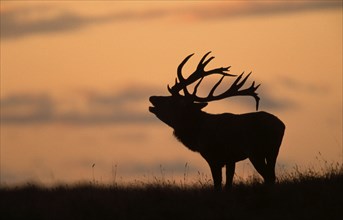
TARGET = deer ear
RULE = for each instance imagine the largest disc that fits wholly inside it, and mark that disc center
(201, 105)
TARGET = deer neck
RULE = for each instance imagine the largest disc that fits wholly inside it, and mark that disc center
(189, 122)
(188, 129)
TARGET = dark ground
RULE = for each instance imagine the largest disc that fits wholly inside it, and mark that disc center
(301, 197)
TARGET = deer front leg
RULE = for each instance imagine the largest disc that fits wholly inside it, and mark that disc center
(230, 171)
(216, 171)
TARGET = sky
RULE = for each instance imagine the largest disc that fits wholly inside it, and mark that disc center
(76, 78)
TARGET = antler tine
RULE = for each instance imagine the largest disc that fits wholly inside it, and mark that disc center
(202, 64)
(251, 90)
(255, 95)
(196, 86)
(232, 91)
(200, 70)
(215, 87)
(170, 89)
(244, 80)
(181, 83)
(179, 68)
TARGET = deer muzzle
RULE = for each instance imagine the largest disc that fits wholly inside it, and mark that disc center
(152, 100)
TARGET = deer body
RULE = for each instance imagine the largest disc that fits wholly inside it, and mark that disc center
(221, 139)
(230, 137)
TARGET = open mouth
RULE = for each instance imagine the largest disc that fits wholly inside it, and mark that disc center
(151, 108)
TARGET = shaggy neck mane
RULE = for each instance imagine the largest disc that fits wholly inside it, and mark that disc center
(187, 129)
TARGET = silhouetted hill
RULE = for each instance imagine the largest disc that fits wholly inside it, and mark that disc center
(304, 196)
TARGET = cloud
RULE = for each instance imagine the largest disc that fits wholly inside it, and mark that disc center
(263, 8)
(270, 103)
(25, 108)
(18, 22)
(267, 102)
(128, 106)
(13, 26)
(303, 87)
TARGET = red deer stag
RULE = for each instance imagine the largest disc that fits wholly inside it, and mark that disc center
(221, 139)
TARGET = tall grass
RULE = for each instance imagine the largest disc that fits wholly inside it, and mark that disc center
(300, 194)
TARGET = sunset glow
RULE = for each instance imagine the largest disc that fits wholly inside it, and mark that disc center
(76, 78)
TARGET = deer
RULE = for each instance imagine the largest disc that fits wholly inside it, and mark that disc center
(221, 139)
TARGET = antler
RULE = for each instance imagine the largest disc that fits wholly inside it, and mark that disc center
(200, 73)
(234, 90)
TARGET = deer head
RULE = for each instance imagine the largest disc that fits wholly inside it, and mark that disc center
(177, 106)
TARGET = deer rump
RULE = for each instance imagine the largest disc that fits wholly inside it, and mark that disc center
(229, 137)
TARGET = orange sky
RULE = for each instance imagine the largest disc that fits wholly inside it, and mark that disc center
(70, 70)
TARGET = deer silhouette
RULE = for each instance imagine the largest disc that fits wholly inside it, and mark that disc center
(221, 139)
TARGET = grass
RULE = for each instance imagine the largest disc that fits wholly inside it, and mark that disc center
(297, 195)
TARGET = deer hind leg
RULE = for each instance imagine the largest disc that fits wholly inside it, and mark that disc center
(270, 165)
(271, 157)
(230, 171)
(216, 171)
(266, 171)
